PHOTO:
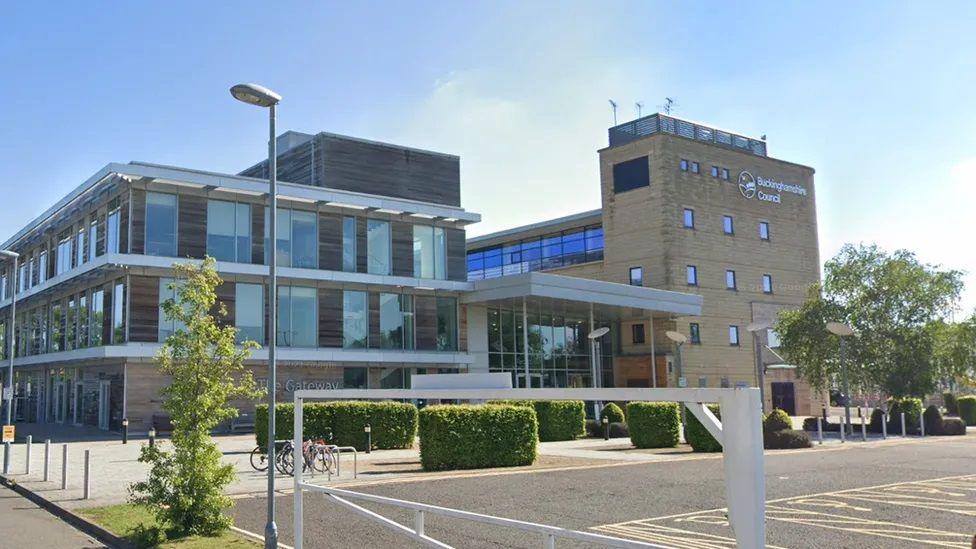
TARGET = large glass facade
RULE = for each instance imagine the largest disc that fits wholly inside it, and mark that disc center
(297, 238)
(167, 291)
(96, 317)
(160, 225)
(112, 228)
(355, 320)
(297, 316)
(249, 312)
(429, 252)
(349, 244)
(558, 349)
(118, 313)
(378, 254)
(447, 324)
(229, 231)
(396, 321)
(536, 254)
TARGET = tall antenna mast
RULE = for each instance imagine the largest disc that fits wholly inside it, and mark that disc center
(639, 106)
(613, 107)
(668, 105)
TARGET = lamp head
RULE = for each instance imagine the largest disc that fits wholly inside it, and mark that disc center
(840, 329)
(676, 337)
(254, 94)
(598, 333)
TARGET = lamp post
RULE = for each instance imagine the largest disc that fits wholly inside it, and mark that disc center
(596, 366)
(9, 387)
(260, 96)
(755, 328)
(843, 331)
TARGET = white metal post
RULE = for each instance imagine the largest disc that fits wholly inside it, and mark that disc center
(86, 492)
(298, 463)
(745, 481)
(904, 433)
(921, 422)
(30, 442)
(884, 426)
(843, 430)
(819, 430)
(864, 429)
(47, 460)
(64, 466)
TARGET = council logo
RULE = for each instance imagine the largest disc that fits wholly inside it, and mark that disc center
(747, 184)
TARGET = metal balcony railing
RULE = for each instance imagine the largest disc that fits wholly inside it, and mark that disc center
(662, 123)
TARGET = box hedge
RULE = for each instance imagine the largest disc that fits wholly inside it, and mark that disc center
(777, 420)
(473, 437)
(951, 406)
(557, 419)
(783, 439)
(697, 436)
(653, 424)
(953, 426)
(932, 419)
(612, 412)
(393, 424)
(967, 409)
(911, 407)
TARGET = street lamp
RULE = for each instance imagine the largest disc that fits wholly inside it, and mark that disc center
(8, 391)
(755, 328)
(260, 96)
(843, 331)
(596, 366)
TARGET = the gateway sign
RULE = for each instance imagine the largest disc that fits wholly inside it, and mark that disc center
(767, 190)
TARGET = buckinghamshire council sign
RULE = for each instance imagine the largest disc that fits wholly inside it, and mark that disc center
(767, 190)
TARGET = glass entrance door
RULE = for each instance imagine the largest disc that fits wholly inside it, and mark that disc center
(60, 398)
(103, 403)
(78, 409)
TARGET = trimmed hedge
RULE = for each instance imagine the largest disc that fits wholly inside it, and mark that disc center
(473, 437)
(778, 420)
(967, 409)
(697, 436)
(877, 419)
(953, 426)
(783, 439)
(393, 424)
(557, 419)
(932, 419)
(951, 406)
(654, 424)
(912, 407)
(810, 424)
(612, 412)
(594, 429)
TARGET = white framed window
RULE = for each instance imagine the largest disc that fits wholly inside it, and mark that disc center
(728, 226)
(637, 276)
(767, 283)
(683, 164)
(764, 230)
(691, 274)
(688, 218)
(733, 335)
(730, 279)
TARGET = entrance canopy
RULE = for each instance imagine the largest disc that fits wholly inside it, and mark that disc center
(569, 294)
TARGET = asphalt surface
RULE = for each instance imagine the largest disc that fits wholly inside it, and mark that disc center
(910, 494)
(23, 524)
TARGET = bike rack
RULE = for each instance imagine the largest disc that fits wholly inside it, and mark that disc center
(355, 459)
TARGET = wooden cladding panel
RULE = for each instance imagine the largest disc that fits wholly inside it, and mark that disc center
(144, 309)
(192, 227)
(402, 248)
(463, 328)
(457, 268)
(226, 295)
(360, 244)
(257, 234)
(425, 318)
(330, 242)
(138, 244)
(330, 318)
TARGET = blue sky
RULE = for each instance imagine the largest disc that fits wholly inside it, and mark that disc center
(878, 97)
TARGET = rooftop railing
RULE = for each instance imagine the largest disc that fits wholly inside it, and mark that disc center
(661, 123)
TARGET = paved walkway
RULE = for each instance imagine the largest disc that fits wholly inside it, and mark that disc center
(23, 524)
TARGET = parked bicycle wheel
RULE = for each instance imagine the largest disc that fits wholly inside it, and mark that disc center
(324, 460)
(284, 460)
(259, 459)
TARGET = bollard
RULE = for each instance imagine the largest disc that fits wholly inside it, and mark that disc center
(606, 428)
(864, 430)
(921, 423)
(819, 431)
(369, 438)
(30, 442)
(903, 432)
(125, 430)
(64, 467)
(86, 494)
(6, 458)
(884, 426)
(152, 436)
(843, 430)
(47, 459)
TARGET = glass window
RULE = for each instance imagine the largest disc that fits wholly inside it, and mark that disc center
(118, 313)
(80, 247)
(229, 231)
(305, 240)
(683, 164)
(772, 338)
(695, 167)
(730, 279)
(733, 335)
(297, 316)
(82, 321)
(63, 261)
(396, 321)
(167, 291)
(378, 247)
(249, 312)
(725, 174)
(637, 333)
(727, 227)
(764, 230)
(97, 317)
(42, 266)
(57, 328)
(446, 324)
(636, 276)
(349, 244)
(71, 326)
(354, 378)
(691, 273)
(93, 235)
(714, 171)
(160, 225)
(689, 218)
(429, 252)
(112, 231)
(355, 320)
(767, 283)
(695, 333)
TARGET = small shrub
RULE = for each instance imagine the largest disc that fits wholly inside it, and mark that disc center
(877, 419)
(594, 429)
(619, 430)
(778, 420)
(953, 426)
(472, 437)
(933, 420)
(785, 439)
(912, 408)
(697, 436)
(558, 419)
(810, 424)
(951, 406)
(653, 424)
(612, 412)
(967, 409)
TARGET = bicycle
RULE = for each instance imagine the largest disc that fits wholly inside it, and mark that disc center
(259, 458)
(317, 455)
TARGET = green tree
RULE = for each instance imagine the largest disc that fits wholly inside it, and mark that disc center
(955, 350)
(185, 485)
(891, 300)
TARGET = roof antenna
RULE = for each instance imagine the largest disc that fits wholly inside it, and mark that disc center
(669, 104)
(613, 107)
(639, 106)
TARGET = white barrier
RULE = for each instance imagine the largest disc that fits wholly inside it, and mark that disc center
(740, 432)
